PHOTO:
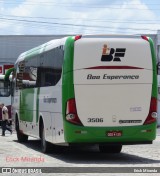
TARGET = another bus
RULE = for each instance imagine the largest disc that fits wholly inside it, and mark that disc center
(5, 96)
(87, 90)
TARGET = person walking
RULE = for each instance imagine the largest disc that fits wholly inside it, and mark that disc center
(5, 119)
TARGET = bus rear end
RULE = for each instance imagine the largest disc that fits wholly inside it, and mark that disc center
(114, 91)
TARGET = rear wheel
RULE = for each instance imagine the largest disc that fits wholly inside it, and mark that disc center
(20, 136)
(45, 146)
(110, 148)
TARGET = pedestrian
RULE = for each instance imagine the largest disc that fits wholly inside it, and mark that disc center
(5, 119)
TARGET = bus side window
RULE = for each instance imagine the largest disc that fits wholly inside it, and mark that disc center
(46, 77)
(50, 68)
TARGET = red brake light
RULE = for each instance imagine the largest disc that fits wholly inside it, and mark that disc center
(144, 37)
(152, 112)
(77, 37)
(71, 112)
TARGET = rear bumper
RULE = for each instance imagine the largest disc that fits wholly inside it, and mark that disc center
(143, 134)
(110, 143)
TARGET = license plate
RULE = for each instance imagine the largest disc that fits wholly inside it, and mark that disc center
(114, 133)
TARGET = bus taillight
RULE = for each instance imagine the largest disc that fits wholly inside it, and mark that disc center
(152, 116)
(145, 37)
(77, 37)
(71, 112)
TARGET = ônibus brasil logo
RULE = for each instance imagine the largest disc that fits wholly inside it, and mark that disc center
(111, 54)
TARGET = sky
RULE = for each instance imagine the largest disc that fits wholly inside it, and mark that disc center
(53, 17)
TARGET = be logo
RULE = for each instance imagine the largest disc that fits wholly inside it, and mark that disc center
(111, 54)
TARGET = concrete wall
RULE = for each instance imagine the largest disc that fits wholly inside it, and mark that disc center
(11, 46)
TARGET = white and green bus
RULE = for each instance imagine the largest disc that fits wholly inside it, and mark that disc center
(87, 90)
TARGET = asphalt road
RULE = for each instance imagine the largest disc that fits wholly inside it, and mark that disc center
(14, 154)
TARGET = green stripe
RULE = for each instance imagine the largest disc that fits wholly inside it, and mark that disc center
(8, 73)
(67, 78)
(26, 104)
(154, 67)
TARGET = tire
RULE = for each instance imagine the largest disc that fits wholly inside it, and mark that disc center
(20, 136)
(45, 146)
(110, 148)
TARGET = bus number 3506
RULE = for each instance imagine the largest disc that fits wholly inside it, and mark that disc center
(95, 120)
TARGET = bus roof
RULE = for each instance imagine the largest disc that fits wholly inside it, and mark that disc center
(56, 42)
(111, 36)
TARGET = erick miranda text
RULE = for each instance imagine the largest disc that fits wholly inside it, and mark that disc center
(24, 159)
(105, 76)
(145, 170)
